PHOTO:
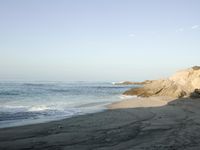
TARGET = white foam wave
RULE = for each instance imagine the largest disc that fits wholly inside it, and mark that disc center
(127, 96)
(38, 108)
(114, 83)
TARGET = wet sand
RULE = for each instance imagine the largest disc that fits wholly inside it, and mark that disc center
(128, 125)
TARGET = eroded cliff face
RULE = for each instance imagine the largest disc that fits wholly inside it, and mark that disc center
(183, 83)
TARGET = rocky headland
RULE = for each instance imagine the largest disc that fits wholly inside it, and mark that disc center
(184, 83)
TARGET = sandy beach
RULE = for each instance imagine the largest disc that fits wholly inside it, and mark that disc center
(99, 75)
(134, 124)
(141, 102)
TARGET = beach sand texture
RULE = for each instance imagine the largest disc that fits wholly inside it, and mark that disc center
(130, 125)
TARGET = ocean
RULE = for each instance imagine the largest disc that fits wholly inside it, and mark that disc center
(24, 103)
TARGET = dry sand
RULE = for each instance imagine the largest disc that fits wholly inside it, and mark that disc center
(142, 124)
(141, 102)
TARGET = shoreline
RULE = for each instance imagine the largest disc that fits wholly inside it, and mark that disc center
(38, 122)
(44, 120)
(121, 127)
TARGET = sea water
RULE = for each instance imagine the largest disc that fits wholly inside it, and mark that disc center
(35, 102)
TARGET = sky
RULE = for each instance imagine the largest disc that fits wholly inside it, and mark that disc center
(97, 40)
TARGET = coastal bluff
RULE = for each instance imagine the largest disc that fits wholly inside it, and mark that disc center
(184, 83)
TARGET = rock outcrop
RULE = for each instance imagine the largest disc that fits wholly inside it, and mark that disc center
(133, 83)
(195, 94)
(182, 84)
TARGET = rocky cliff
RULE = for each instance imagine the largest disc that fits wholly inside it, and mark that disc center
(182, 84)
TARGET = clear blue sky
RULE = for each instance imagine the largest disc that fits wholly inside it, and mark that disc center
(97, 39)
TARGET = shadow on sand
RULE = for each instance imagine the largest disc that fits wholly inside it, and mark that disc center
(174, 126)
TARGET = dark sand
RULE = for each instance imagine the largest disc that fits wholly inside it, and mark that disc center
(175, 126)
